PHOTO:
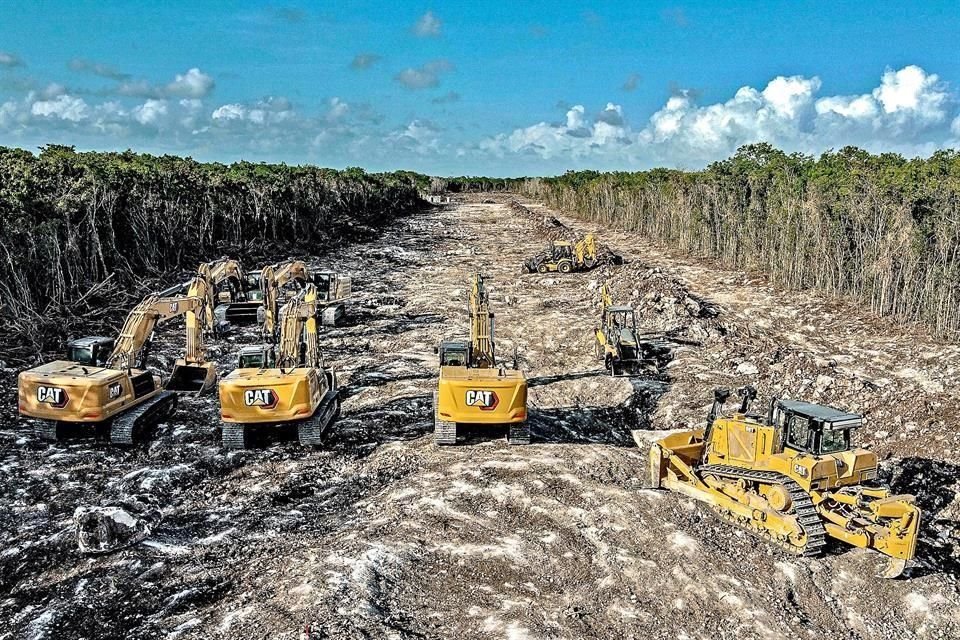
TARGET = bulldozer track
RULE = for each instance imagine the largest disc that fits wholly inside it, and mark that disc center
(803, 508)
(126, 428)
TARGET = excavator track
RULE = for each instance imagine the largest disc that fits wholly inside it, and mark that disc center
(234, 435)
(518, 433)
(310, 431)
(127, 427)
(445, 433)
(48, 430)
(802, 507)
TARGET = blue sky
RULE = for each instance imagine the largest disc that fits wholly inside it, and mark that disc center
(501, 88)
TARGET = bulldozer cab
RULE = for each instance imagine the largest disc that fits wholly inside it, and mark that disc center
(454, 353)
(91, 351)
(812, 428)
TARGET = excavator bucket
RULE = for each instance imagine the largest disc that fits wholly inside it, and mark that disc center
(192, 378)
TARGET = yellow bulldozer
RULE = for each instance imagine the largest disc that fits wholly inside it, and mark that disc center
(791, 476)
(116, 390)
(286, 385)
(566, 256)
(474, 389)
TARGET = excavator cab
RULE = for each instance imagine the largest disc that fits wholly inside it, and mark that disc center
(91, 351)
(257, 357)
(454, 353)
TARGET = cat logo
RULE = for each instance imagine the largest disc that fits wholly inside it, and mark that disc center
(483, 399)
(174, 307)
(113, 392)
(800, 470)
(263, 398)
(54, 396)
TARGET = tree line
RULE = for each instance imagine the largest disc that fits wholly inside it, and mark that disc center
(73, 221)
(880, 228)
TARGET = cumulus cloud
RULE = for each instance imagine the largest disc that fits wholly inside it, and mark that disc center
(426, 76)
(64, 107)
(150, 112)
(81, 65)
(270, 110)
(427, 26)
(363, 61)
(192, 84)
(909, 111)
(8, 59)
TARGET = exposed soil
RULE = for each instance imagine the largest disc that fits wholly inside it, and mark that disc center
(380, 534)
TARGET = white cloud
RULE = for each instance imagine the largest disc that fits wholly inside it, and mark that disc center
(8, 59)
(192, 84)
(428, 25)
(363, 61)
(229, 112)
(150, 112)
(64, 107)
(338, 109)
(426, 76)
(908, 112)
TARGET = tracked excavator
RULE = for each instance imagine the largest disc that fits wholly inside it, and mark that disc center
(791, 476)
(285, 385)
(623, 349)
(116, 390)
(227, 278)
(474, 389)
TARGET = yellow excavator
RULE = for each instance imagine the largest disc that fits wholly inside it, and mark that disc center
(791, 476)
(93, 388)
(566, 257)
(227, 279)
(290, 387)
(473, 388)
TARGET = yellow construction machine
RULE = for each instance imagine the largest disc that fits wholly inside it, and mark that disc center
(622, 347)
(93, 388)
(566, 257)
(791, 476)
(473, 388)
(228, 279)
(287, 385)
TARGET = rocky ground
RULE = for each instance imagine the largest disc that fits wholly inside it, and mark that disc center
(380, 534)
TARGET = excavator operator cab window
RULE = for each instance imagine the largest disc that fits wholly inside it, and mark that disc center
(453, 356)
(91, 352)
(322, 282)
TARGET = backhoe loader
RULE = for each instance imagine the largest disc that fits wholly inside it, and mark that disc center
(619, 343)
(286, 385)
(473, 388)
(566, 257)
(790, 476)
(117, 391)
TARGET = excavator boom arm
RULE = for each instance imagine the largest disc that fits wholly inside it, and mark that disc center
(481, 325)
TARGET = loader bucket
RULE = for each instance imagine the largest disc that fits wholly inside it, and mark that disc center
(192, 378)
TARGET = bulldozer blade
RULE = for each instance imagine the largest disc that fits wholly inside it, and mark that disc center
(893, 569)
(187, 378)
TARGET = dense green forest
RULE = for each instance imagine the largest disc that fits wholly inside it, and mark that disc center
(77, 226)
(880, 228)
